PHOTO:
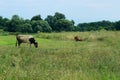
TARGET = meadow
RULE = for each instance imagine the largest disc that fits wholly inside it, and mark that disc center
(60, 57)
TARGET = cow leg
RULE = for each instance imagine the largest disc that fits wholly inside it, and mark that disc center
(30, 45)
(19, 44)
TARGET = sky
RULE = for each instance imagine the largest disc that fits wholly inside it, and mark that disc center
(78, 10)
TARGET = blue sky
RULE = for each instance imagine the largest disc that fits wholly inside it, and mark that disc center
(78, 10)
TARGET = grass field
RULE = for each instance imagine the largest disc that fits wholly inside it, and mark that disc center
(59, 57)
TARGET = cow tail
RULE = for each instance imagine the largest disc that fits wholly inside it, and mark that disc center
(16, 40)
(16, 43)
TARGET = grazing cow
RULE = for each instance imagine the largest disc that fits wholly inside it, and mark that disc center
(26, 39)
(77, 38)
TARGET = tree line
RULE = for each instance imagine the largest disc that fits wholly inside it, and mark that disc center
(55, 23)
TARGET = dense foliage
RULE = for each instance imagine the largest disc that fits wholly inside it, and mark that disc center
(55, 23)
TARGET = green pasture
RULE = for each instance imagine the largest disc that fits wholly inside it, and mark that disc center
(59, 57)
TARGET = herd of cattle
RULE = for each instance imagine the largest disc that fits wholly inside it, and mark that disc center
(31, 40)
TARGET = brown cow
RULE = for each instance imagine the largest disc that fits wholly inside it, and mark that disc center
(77, 38)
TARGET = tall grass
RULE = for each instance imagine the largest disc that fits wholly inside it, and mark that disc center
(96, 58)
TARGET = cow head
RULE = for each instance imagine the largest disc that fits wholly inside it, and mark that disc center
(36, 45)
(32, 41)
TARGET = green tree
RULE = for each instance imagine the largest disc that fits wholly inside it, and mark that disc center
(41, 26)
(13, 24)
(51, 21)
(64, 25)
(37, 17)
(117, 25)
(1, 22)
(107, 25)
(59, 16)
(45, 26)
(6, 22)
(26, 28)
(82, 27)
(36, 26)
